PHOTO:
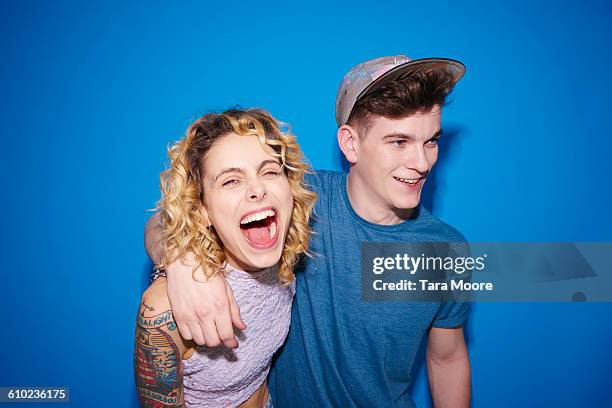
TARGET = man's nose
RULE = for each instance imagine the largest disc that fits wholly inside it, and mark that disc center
(417, 160)
(256, 190)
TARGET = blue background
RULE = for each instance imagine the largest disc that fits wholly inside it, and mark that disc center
(91, 95)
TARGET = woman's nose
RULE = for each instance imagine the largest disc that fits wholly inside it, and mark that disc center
(256, 190)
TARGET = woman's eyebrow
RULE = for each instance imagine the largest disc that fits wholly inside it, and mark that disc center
(239, 170)
(265, 162)
(228, 170)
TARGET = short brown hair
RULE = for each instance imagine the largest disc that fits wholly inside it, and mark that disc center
(399, 98)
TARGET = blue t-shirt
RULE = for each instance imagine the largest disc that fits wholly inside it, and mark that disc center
(340, 351)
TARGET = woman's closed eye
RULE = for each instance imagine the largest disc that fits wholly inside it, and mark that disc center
(271, 171)
(230, 182)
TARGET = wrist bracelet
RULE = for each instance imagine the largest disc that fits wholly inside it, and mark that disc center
(157, 273)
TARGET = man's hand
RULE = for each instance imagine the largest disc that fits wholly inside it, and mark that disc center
(204, 311)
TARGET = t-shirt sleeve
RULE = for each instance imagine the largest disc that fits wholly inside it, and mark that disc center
(452, 313)
(313, 181)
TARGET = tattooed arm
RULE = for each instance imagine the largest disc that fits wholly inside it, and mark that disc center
(158, 351)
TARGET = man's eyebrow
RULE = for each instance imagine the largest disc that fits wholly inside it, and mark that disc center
(437, 134)
(399, 135)
(409, 136)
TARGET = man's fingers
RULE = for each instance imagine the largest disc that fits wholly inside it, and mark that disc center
(210, 334)
(234, 309)
(196, 333)
(223, 323)
(185, 332)
(226, 332)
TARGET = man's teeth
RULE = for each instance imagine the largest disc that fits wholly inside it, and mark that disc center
(409, 181)
(257, 216)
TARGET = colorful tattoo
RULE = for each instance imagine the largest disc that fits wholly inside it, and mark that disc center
(157, 360)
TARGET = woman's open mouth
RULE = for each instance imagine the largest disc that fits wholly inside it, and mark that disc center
(260, 227)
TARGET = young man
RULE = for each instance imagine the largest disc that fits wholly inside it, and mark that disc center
(341, 351)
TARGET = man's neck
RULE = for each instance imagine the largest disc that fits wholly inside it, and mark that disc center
(370, 207)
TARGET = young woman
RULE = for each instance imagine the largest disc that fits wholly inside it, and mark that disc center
(234, 199)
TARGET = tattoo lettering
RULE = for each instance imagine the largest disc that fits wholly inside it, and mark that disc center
(155, 321)
(157, 361)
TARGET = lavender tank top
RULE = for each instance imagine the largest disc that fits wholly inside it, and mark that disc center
(224, 377)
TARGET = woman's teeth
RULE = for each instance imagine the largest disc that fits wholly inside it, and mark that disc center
(408, 181)
(272, 230)
(260, 228)
(257, 216)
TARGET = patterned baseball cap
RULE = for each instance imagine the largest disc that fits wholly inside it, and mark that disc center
(370, 75)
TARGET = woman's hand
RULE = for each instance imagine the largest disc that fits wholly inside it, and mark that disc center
(205, 312)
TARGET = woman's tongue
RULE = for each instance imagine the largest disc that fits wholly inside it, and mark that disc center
(258, 232)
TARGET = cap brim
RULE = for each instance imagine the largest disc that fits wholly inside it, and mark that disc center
(405, 70)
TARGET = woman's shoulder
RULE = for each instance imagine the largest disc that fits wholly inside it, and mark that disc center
(156, 294)
(155, 314)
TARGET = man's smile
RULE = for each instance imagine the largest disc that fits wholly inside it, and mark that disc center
(410, 181)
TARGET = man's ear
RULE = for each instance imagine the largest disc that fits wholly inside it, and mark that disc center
(348, 141)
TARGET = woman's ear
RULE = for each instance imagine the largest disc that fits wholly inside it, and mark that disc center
(205, 219)
(204, 216)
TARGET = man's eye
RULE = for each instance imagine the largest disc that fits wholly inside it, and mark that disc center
(399, 142)
(433, 142)
(271, 173)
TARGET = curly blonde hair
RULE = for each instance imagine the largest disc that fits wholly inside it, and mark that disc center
(183, 218)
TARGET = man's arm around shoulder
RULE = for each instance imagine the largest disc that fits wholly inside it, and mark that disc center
(206, 311)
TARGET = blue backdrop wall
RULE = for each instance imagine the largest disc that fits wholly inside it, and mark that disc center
(92, 94)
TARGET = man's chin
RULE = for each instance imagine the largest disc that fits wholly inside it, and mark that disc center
(406, 206)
